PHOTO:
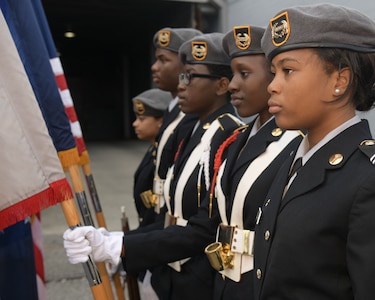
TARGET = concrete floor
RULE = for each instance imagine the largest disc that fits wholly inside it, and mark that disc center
(113, 165)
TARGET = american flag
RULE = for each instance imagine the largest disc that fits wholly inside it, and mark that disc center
(31, 176)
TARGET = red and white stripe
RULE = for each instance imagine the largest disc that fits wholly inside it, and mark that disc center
(68, 104)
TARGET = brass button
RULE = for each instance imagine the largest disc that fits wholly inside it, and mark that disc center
(206, 126)
(267, 235)
(277, 132)
(259, 273)
(335, 159)
(267, 202)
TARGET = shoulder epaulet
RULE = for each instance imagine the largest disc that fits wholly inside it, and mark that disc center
(368, 148)
(228, 121)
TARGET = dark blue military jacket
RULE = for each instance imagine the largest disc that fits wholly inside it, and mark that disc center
(318, 242)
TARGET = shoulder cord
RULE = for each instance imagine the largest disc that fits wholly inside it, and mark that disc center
(217, 163)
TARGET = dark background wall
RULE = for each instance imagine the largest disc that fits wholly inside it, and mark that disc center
(108, 62)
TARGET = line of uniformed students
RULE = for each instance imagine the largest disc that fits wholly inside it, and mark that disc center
(313, 237)
(203, 90)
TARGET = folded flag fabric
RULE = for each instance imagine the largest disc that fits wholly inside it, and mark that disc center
(31, 176)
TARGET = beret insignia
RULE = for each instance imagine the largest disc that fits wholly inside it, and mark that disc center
(139, 107)
(199, 50)
(242, 37)
(164, 37)
(280, 29)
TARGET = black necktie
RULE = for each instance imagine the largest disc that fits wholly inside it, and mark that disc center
(296, 166)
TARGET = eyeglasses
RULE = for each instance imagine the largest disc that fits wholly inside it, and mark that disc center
(186, 77)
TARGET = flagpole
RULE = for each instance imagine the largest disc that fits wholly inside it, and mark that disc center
(92, 275)
(87, 220)
(86, 168)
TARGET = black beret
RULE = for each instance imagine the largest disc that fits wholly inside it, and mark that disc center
(153, 102)
(243, 40)
(321, 25)
(204, 49)
(172, 38)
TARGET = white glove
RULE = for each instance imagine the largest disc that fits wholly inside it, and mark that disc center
(83, 241)
(111, 268)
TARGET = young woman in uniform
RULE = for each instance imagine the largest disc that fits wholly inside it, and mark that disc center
(315, 234)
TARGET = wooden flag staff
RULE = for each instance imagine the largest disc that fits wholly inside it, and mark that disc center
(87, 220)
(86, 168)
(96, 275)
(94, 195)
(92, 275)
